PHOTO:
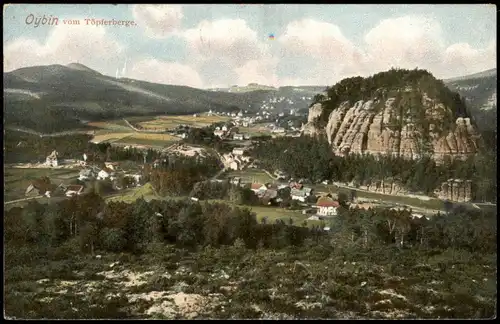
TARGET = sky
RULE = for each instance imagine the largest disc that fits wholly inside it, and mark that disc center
(221, 45)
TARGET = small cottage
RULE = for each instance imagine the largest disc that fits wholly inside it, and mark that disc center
(219, 133)
(52, 159)
(104, 174)
(74, 190)
(238, 151)
(235, 165)
(300, 194)
(238, 137)
(258, 187)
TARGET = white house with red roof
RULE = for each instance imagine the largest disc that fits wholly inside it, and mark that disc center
(327, 206)
(258, 187)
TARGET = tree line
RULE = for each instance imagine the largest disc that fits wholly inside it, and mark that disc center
(175, 175)
(29, 148)
(91, 225)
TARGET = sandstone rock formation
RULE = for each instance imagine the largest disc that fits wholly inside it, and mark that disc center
(385, 187)
(455, 190)
(360, 128)
(310, 128)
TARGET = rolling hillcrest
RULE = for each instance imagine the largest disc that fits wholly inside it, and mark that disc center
(480, 93)
(56, 98)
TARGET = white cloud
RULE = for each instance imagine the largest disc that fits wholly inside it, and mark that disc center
(229, 51)
(317, 39)
(159, 21)
(405, 42)
(461, 59)
(156, 71)
(230, 39)
(325, 43)
(64, 45)
(258, 71)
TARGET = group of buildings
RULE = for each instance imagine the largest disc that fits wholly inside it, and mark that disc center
(323, 206)
(89, 171)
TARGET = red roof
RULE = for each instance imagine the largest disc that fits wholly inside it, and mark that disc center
(256, 186)
(327, 202)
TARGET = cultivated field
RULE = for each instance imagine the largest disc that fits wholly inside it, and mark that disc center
(430, 203)
(171, 122)
(275, 213)
(249, 176)
(16, 180)
(117, 131)
(256, 130)
(109, 137)
(105, 127)
(149, 139)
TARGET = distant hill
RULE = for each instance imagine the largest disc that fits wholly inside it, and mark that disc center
(480, 93)
(55, 98)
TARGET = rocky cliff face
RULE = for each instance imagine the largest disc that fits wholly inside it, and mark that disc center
(455, 190)
(385, 187)
(311, 128)
(384, 127)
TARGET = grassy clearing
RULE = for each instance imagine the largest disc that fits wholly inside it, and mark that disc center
(110, 126)
(249, 175)
(108, 137)
(171, 122)
(255, 130)
(143, 141)
(16, 180)
(402, 200)
(272, 213)
(130, 195)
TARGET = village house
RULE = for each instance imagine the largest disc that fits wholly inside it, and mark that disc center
(43, 187)
(245, 124)
(235, 165)
(238, 137)
(219, 133)
(74, 190)
(52, 159)
(300, 194)
(236, 181)
(104, 174)
(267, 197)
(86, 174)
(224, 128)
(111, 165)
(258, 188)
(136, 177)
(238, 151)
(327, 206)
